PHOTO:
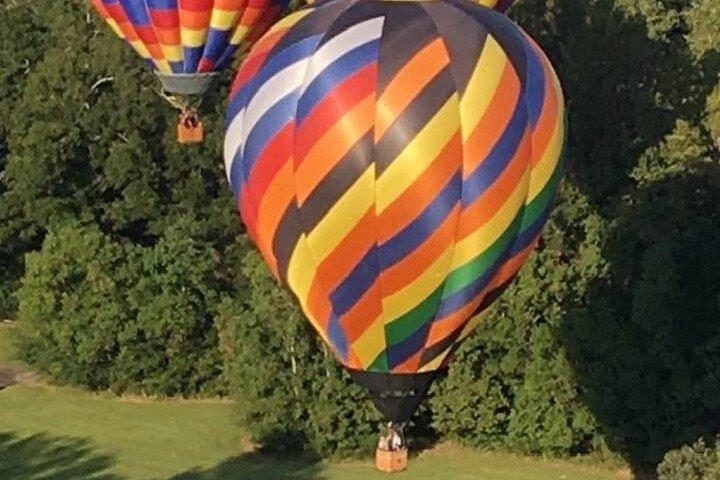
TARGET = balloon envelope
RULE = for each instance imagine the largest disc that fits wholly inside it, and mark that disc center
(395, 163)
(189, 36)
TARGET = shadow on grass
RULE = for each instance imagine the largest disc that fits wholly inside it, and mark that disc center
(45, 457)
(256, 466)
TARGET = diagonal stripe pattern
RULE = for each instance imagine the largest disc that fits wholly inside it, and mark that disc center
(395, 163)
(189, 36)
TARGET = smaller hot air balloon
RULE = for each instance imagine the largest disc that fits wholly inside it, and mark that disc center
(395, 162)
(188, 42)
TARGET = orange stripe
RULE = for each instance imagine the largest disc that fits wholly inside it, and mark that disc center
(275, 202)
(331, 108)
(194, 20)
(408, 83)
(547, 122)
(486, 206)
(513, 266)
(339, 264)
(450, 324)
(319, 304)
(412, 266)
(333, 146)
(408, 206)
(367, 310)
(411, 365)
(231, 5)
(494, 122)
(341, 261)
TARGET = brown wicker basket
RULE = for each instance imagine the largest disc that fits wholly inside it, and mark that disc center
(391, 461)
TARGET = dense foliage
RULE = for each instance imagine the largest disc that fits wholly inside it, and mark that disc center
(140, 279)
(698, 461)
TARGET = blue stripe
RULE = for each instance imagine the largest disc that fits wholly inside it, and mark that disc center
(334, 74)
(227, 57)
(191, 58)
(217, 42)
(527, 236)
(162, 4)
(176, 67)
(276, 63)
(534, 84)
(459, 299)
(136, 12)
(398, 354)
(337, 336)
(351, 290)
(413, 235)
(498, 159)
(267, 127)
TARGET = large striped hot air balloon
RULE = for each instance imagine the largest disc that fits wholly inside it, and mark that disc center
(188, 42)
(395, 163)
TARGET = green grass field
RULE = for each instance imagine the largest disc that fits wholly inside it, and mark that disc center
(59, 433)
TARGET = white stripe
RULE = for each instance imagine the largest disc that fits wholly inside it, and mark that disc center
(234, 139)
(281, 84)
(343, 43)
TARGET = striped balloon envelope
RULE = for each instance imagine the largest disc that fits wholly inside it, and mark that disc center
(188, 42)
(189, 36)
(395, 163)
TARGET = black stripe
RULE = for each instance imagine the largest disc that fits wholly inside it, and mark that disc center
(336, 183)
(408, 29)
(464, 39)
(409, 124)
(315, 23)
(286, 239)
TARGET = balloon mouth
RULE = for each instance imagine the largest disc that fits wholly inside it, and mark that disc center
(187, 83)
(396, 396)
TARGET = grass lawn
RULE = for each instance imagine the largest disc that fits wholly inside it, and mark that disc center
(59, 433)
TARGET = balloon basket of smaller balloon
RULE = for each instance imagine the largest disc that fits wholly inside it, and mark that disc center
(190, 128)
(391, 455)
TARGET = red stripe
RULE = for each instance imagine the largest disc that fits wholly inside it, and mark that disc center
(269, 162)
(349, 93)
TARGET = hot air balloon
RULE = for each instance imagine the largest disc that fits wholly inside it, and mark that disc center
(395, 163)
(188, 42)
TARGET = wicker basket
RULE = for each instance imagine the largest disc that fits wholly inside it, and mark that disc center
(391, 461)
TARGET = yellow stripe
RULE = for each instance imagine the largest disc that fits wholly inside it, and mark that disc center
(480, 240)
(301, 271)
(343, 217)
(116, 28)
(173, 53)
(482, 86)
(223, 19)
(418, 154)
(193, 38)
(544, 169)
(163, 66)
(289, 20)
(473, 324)
(239, 35)
(371, 343)
(469, 328)
(435, 364)
(141, 49)
(413, 294)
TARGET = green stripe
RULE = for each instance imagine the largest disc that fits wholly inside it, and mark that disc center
(407, 324)
(540, 203)
(468, 273)
(380, 364)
